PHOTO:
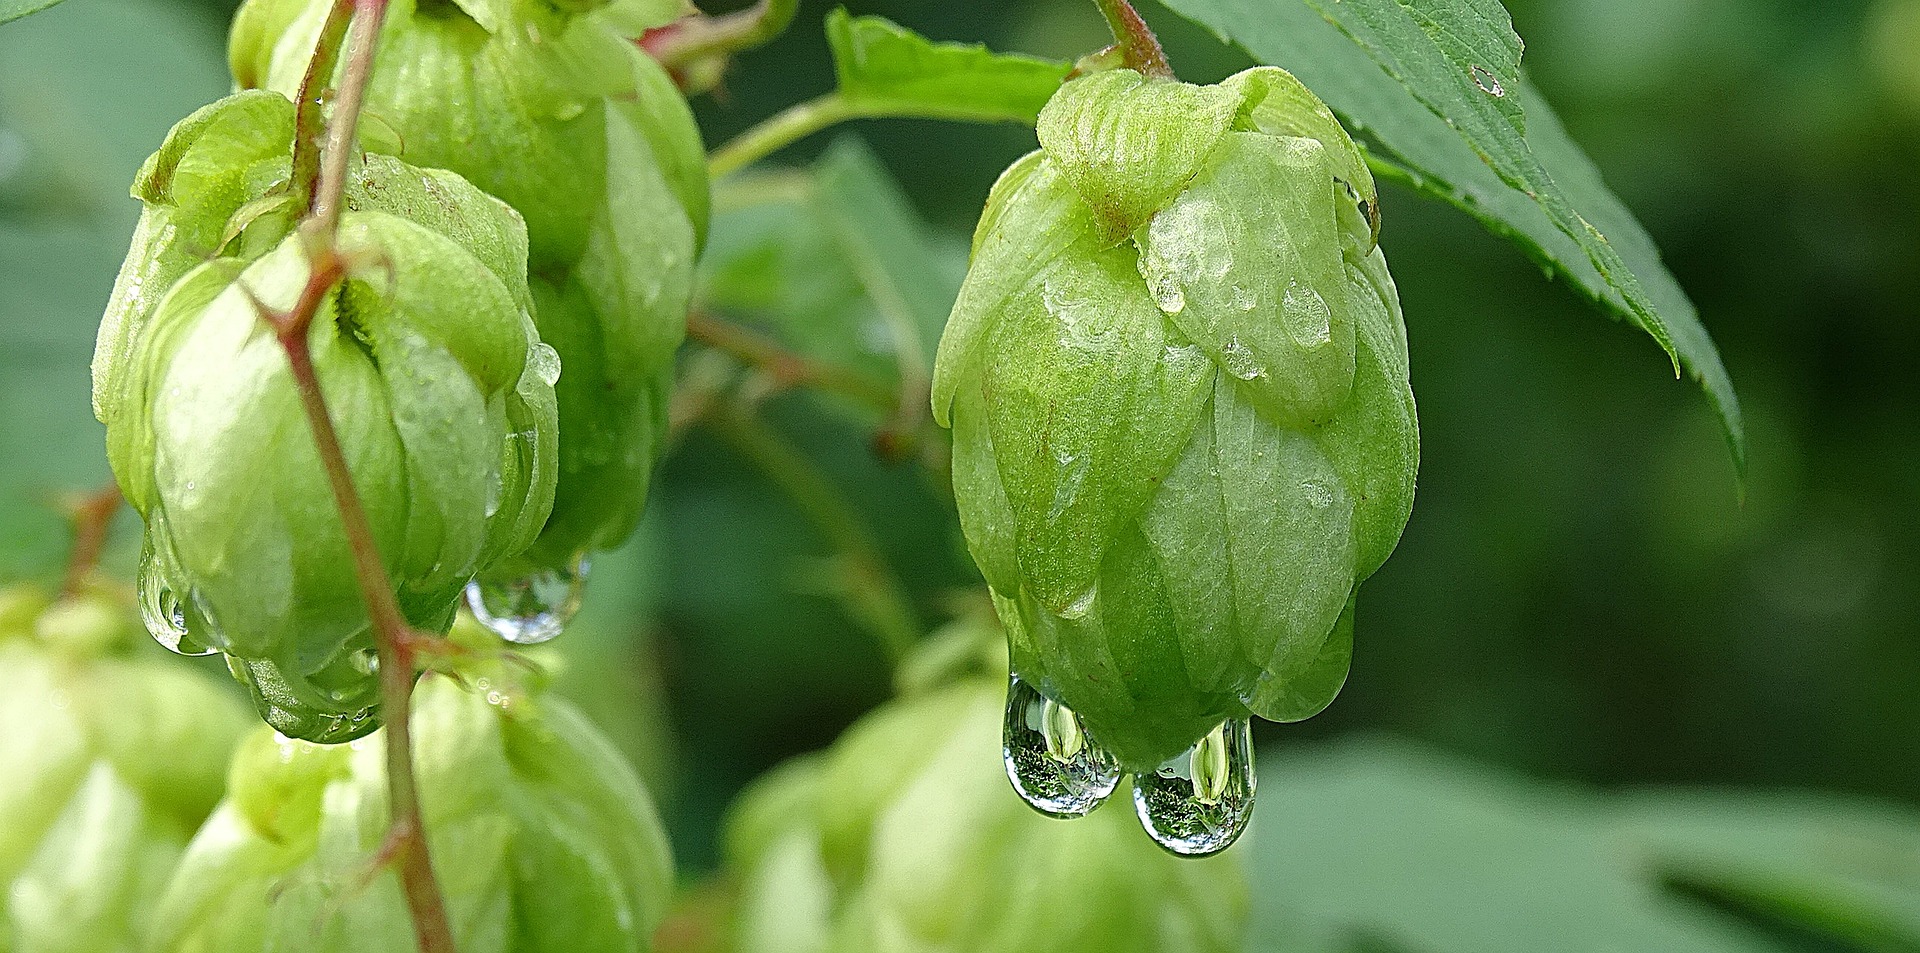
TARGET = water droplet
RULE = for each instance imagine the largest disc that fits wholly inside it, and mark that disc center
(1053, 765)
(1244, 298)
(365, 661)
(1306, 315)
(164, 614)
(1319, 494)
(1198, 803)
(532, 609)
(1241, 362)
(544, 361)
(1488, 83)
(1081, 604)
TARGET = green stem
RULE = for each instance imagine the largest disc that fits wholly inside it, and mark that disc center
(1140, 50)
(780, 131)
(406, 840)
(873, 594)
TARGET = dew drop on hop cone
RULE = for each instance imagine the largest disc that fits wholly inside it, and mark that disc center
(1053, 765)
(163, 613)
(1199, 802)
(533, 608)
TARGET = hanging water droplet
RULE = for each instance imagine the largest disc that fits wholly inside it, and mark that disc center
(532, 609)
(164, 614)
(1198, 803)
(1053, 765)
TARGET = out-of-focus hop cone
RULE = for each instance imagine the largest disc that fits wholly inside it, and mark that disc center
(111, 757)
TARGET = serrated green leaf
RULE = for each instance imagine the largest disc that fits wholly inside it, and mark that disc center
(1436, 89)
(886, 68)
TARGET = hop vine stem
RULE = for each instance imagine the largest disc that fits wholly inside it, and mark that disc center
(1139, 49)
(323, 149)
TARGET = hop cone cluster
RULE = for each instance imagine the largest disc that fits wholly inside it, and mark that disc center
(111, 760)
(542, 837)
(433, 374)
(903, 838)
(1177, 381)
(551, 109)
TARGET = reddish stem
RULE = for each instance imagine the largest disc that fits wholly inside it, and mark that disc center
(91, 519)
(328, 157)
(1140, 50)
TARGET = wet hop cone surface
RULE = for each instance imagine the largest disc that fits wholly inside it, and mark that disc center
(550, 108)
(903, 837)
(109, 762)
(1183, 433)
(433, 373)
(542, 837)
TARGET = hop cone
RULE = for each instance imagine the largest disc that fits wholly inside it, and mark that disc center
(1177, 381)
(434, 377)
(550, 109)
(542, 838)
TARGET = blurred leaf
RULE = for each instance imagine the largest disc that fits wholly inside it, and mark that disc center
(79, 111)
(1379, 845)
(885, 68)
(888, 247)
(1847, 868)
(837, 261)
(11, 10)
(1436, 87)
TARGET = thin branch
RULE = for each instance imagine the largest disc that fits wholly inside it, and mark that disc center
(1139, 49)
(92, 517)
(406, 841)
(785, 367)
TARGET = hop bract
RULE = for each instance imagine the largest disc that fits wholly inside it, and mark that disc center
(433, 375)
(110, 762)
(903, 838)
(1183, 431)
(551, 109)
(542, 839)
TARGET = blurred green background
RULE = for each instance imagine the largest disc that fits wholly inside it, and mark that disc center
(1581, 595)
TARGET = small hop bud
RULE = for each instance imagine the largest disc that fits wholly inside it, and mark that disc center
(434, 377)
(111, 760)
(905, 837)
(1183, 431)
(556, 112)
(542, 838)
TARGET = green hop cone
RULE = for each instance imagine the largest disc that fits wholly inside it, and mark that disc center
(434, 377)
(903, 838)
(111, 760)
(542, 839)
(1183, 432)
(555, 112)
